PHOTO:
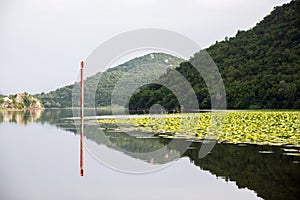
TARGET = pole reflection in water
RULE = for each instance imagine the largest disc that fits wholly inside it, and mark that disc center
(82, 120)
(81, 148)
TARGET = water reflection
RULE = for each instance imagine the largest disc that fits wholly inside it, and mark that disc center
(20, 117)
(272, 175)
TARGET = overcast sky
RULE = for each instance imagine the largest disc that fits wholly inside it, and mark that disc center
(43, 41)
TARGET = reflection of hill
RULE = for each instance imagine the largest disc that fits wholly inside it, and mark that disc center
(56, 117)
(20, 117)
(153, 65)
(140, 148)
(271, 175)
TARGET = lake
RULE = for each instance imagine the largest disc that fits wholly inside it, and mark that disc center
(39, 156)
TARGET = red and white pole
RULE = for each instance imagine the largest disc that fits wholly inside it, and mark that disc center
(81, 117)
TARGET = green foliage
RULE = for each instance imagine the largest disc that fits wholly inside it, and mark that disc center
(260, 70)
(105, 82)
(27, 101)
(142, 101)
(12, 97)
(61, 97)
(19, 105)
(260, 67)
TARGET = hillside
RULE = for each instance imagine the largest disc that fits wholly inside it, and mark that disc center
(20, 101)
(106, 81)
(260, 68)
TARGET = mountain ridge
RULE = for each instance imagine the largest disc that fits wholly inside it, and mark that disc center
(260, 68)
(106, 81)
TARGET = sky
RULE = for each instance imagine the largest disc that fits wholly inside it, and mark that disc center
(43, 41)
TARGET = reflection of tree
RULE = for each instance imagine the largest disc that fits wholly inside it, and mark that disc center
(272, 176)
(20, 117)
(148, 149)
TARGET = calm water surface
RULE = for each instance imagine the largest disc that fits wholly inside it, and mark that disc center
(39, 157)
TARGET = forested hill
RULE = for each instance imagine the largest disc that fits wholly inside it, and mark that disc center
(106, 81)
(260, 67)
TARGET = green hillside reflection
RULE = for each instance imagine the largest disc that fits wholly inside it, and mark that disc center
(272, 172)
(268, 170)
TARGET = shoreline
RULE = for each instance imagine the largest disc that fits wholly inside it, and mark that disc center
(22, 109)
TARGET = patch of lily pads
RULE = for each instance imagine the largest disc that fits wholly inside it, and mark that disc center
(252, 127)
